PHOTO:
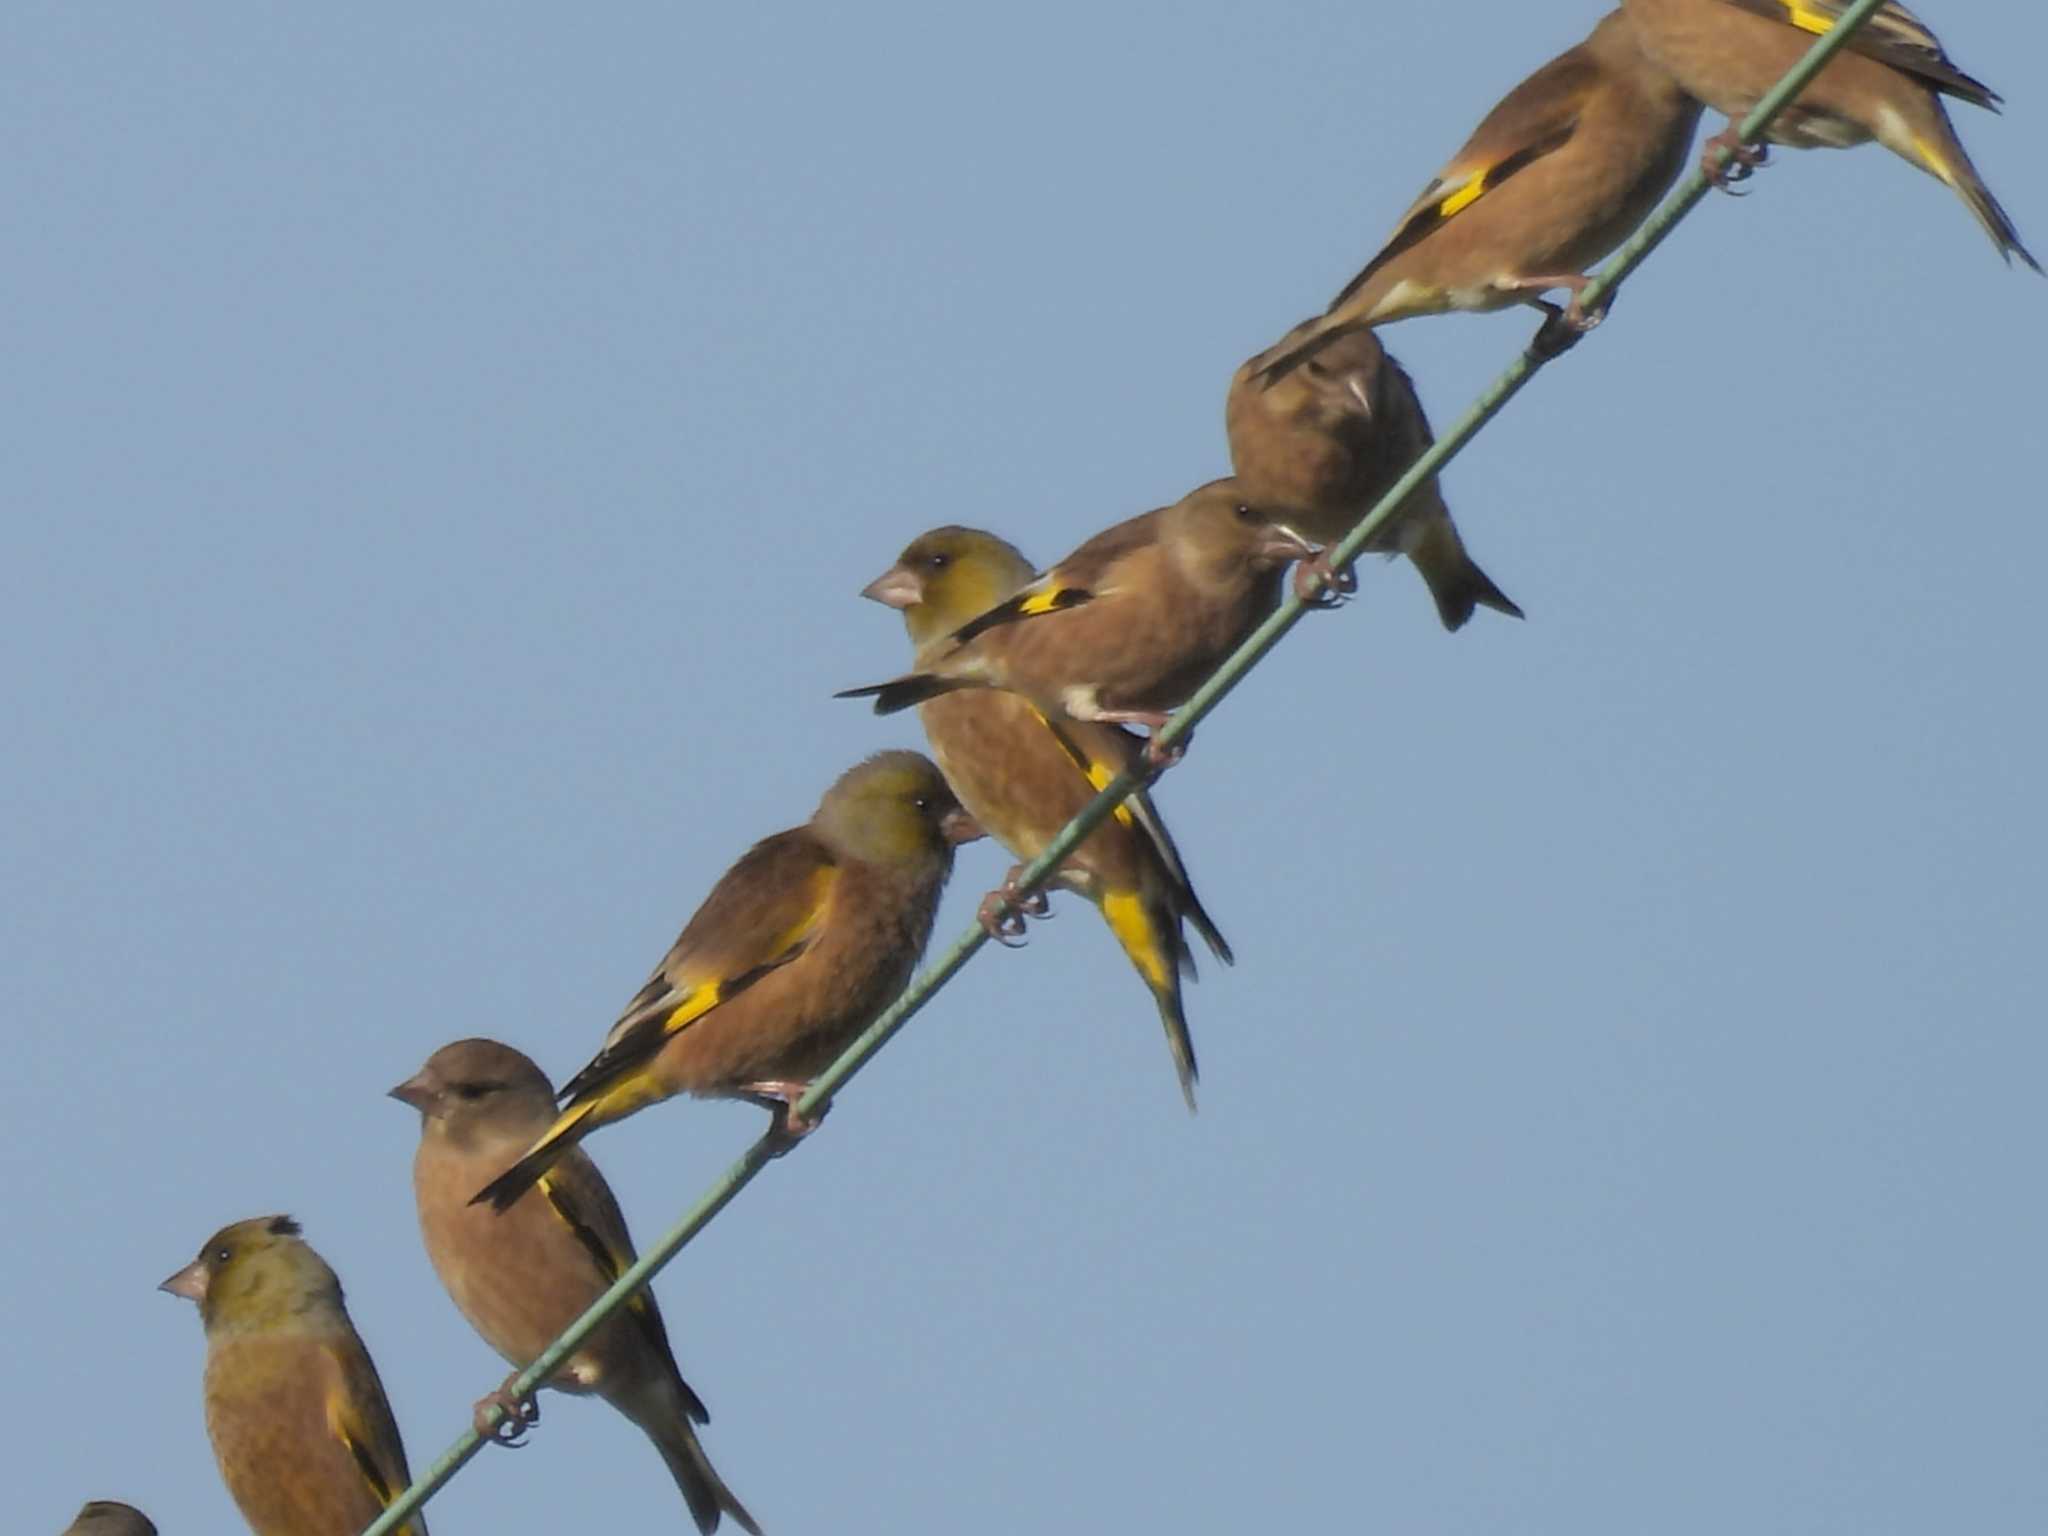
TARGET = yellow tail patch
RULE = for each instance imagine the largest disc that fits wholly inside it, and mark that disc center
(1933, 160)
(1125, 913)
(1464, 197)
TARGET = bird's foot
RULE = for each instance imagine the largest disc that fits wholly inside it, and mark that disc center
(1742, 162)
(779, 1098)
(1157, 758)
(1003, 910)
(1320, 584)
(519, 1415)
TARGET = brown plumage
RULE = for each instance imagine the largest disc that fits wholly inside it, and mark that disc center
(1127, 626)
(1885, 84)
(110, 1517)
(304, 1437)
(1555, 177)
(524, 1275)
(1328, 438)
(795, 951)
(1023, 778)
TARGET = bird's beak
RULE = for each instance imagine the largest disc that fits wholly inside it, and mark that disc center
(416, 1091)
(896, 588)
(189, 1282)
(1283, 544)
(957, 827)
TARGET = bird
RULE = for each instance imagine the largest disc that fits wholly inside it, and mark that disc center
(300, 1427)
(110, 1517)
(523, 1276)
(1554, 177)
(1131, 623)
(1327, 439)
(798, 948)
(1023, 777)
(1885, 84)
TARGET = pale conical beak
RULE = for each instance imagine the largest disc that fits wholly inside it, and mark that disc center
(957, 827)
(896, 588)
(1284, 544)
(415, 1090)
(189, 1282)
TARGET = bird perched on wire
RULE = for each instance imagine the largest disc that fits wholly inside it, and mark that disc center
(1023, 777)
(1885, 84)
(110, 1517)
(1327, 439)
(304, 1437)
(1556, 176)
(1131, 623)
(797, 949)
(523, 1276)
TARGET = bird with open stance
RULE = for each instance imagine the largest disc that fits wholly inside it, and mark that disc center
(298, 1419)
(797, 949)
(1329, 438)
(1553, 178)
(1886, 84)
(1129, 625)
(522, 1276)
(1024, 776)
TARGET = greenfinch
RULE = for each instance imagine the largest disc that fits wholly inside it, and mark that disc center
(110, 1517)
(1130, 624)
(1327, 439)
(1556, 176)
(523, 1276)
(1023, 778)
(798, 948)
(305, 1440)
(1886, 84)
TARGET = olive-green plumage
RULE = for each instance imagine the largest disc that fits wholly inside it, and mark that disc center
(1556, 176)
(110, 1517)
(797, 949)
(523, 1275)
(304, 1437)
(1886, 84)
(1328, 438)
(1023, 778)
(1127, 626)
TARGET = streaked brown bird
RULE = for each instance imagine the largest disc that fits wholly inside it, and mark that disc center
(110, 1517)
(1022, 777)
(797, 949)
(1130, 624)
(524, 1275)
(1555, 177)
(1330, 437)
(304, 1437)
(1886, 84)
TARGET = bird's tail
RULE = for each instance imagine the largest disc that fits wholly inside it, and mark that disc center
(1454, 577)
(664, 1415)
(1932, 145)
(902, 692)
(1151, 940)
(574, 1123)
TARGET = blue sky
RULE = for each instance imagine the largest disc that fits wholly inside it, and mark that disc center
(445, 450)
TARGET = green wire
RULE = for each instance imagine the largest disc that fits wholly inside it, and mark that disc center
(1206, 698)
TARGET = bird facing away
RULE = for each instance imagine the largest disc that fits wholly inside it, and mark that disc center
(1127, 626)
(1023, 777)
(798, 948)
(523, 1276)
(1330, 437)
(305, 1440)
(1885, 84)
(110, 1517)
(1555, 177)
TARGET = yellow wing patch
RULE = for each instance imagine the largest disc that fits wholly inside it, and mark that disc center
(1125, 913)
(344, 1424)
(1807, 20)
(1467, 194)
(1047, 601)
(1099, 774)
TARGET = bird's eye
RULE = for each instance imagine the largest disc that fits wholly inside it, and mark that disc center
(472, 1090)
(1245, 514)
(938, 562)
(923, 802)
(222, 1255)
